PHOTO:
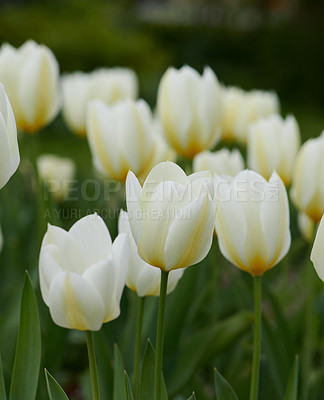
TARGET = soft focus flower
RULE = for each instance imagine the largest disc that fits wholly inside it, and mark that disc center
(307, 191)
(242, 108)
(57, 172)
(30, 75)
(252, 221)
(306, 226)
(9, 152)
(273, 144)
(317, 254)
(222, 162)
(108, 84)
(172, 216)
(120, 137)
(161, 151)
(141, 277)
(82, 274)
(190, 109)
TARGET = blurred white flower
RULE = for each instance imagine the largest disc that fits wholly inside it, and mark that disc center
(222, 162)
(9, 151)
(252, 221)
(30, 75)
(190, 109)
(317, 254)
(120, 137)
(306, 226)
(273, 144)
(82, 274)
(172, 216)
(141, 276)
(307, 190)
(242, 108)
(108, 84)
(57, 172)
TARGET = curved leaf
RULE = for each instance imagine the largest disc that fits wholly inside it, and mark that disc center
(224, 390)
(292, 386)
(55, 392)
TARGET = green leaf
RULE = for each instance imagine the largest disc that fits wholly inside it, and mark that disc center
(55, 392)
(129, 391)
(28, 351)
(192, 397)
(292, 386)
(147, 375)
(204, 346)
(119, 379)
(3, 394)
(224, 390)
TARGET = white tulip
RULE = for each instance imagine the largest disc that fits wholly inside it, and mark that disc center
(57, 172)
(307, 189)
(9, 151)
(317, 254)
(233, 99)
(109, 85)
(30, 74)
(120, 137)
(190, 109)
(172, 216)
(82, 274)
(306, 226)
(141, 276)
(252, 221)
(273, 144)
(222, 162)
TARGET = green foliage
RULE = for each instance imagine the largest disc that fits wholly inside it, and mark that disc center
(3, 394)
(224, 390)
(55, 392)
(28, 352)
(292, 385)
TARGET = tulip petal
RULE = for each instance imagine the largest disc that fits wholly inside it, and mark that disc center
(133, 196)
(317, 254)
(92, 238)
(48, 268)
(75, 303)
(190, 235)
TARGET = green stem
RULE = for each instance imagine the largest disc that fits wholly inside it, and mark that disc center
(254, 390)
(93, 366)
(160, 336)
(138, 344)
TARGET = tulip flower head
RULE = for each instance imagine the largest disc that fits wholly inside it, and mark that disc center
(171, 216)
(30, 75)
(141, 277)
(120, 137)
(9, 151)
(82, 273)
(272, 145)
(57, 172)
(306, 226)
(307, 191)
(222, 162)
(109, 85)
(190, 109)
(252, 221)
(317, 254)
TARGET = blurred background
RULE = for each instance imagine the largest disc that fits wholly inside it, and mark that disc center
(266, 44)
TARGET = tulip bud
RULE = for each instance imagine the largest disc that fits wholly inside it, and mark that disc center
(307, 191)
(30, 74)
(190, 109)
(82, 274)
(317, 254)
(306, 226)
(272, 145)
(142, 277)
(222, 162)
(57, 172)
(120, 137)
(252, 221)
(109, 85)
(172, 216)
(9, 152)
(233, 99)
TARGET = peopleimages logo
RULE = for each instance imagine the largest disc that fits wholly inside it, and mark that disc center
(92, 190)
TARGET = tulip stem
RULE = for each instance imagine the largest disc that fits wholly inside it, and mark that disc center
(138, 344)
(254, 389)
(93, 367)
(160, 336)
